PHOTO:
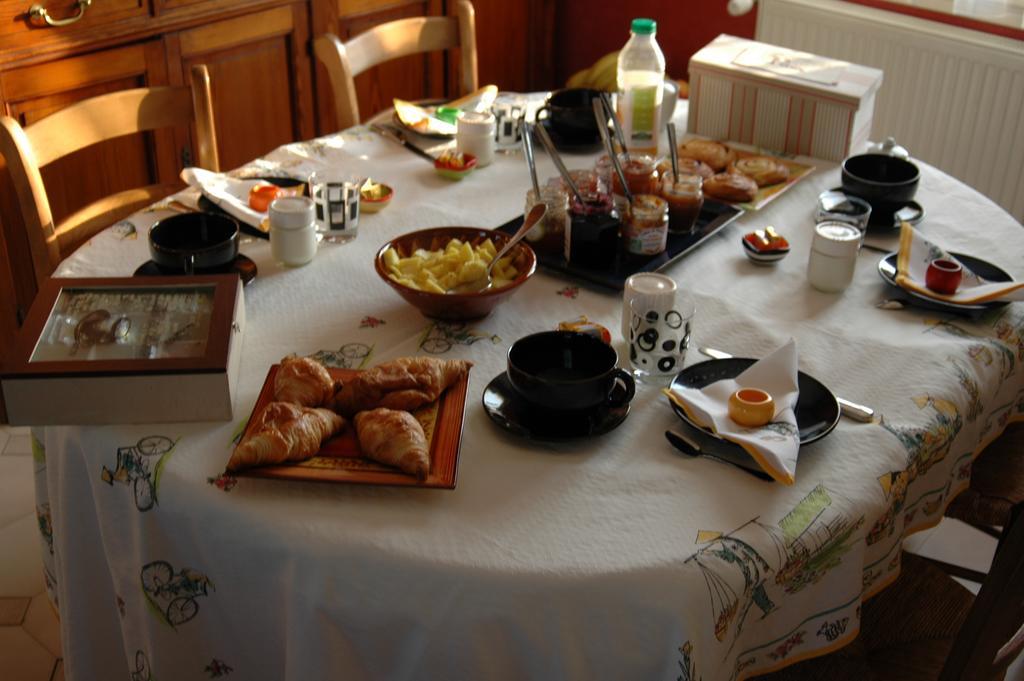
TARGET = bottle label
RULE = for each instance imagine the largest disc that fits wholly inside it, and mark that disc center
(643, 108)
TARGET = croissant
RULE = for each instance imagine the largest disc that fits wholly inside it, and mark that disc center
(731, 187)
(394, 438)
(715, 154)
(404, 383)
(285, 432)
(303, 381)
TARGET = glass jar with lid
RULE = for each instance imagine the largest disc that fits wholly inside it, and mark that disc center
(548, 235)
(645, 230)
(641, 174)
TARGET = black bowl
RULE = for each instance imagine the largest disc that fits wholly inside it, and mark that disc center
(194, 241)
(880, 179)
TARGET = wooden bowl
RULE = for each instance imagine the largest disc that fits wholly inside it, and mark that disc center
(456, 306)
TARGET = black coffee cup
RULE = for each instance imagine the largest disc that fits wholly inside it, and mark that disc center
(570, 114)
(194, 241)
(881, 180)
(565, 370)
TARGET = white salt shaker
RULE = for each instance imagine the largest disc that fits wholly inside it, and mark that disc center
(475, 135)
(833, 256)
(657, 290)
(293, 230)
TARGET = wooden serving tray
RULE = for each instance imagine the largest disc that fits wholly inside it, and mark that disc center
(340, 459)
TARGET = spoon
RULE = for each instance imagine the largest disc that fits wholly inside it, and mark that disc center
(530, 161)
(673, 150)
(485, 282)
(606, 101)
(690, 448)
(602, 127)
(557, 158)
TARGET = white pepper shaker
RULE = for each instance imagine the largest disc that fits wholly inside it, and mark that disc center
(833, 256)
(656, 290)
(293, 230)
(475, 135)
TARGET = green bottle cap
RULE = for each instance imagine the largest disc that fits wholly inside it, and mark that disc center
(644, 26)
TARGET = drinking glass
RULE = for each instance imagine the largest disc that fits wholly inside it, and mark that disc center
(509, 113)
(659, 338)
(839, 207)
(336, 196)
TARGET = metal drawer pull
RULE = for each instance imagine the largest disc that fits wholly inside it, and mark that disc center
(37, 12)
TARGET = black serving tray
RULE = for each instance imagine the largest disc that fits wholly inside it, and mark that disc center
(713, 217)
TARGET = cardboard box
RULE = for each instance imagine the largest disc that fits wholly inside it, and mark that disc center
(781, 100)
(127, 350)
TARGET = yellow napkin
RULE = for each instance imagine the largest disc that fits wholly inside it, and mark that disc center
(774, 446)
(912, 263)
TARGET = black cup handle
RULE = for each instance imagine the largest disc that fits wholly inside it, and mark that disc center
(625, 379)
(541, 110)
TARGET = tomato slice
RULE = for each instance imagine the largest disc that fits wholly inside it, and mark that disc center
(261, 195)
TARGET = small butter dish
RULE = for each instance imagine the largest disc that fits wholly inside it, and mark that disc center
(765, 246)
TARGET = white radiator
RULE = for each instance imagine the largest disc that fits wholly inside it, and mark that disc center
(954, 97)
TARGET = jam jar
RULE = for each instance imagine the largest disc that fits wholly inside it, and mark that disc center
(641, 174)
(685, 196)
(592, 239)
(587, 181)
(548, 235)
(645, 230)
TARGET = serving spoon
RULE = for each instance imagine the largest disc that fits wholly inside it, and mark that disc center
(487, 281)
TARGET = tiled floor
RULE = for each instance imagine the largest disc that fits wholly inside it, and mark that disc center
(29, 631)
(30, 634)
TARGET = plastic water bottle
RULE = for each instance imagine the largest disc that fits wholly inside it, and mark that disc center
(641, 76)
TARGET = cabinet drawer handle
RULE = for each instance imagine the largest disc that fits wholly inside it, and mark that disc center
(38, 13)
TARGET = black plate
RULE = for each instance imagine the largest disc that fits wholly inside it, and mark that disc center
(891, 216)
(713, 217)
(572, 146)
(209, 206)
(984, 269)
(243, 266)
(817, 411)
(511, 412)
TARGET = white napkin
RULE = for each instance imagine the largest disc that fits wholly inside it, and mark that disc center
(912, 263)
(774, 446)
(230, 193)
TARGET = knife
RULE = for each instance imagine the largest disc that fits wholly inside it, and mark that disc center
(690, 448)
(851, 410)
(397, 136)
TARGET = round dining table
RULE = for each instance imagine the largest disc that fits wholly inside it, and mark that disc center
(606, 557)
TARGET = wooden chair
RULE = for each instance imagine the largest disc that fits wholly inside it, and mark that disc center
(400, 38)
(927, 626)
(82, 124)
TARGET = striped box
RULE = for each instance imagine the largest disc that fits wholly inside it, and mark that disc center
(781, 100)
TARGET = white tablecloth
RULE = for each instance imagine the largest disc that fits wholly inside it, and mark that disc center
(610, 558)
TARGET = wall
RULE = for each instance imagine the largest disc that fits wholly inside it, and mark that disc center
(587, 29)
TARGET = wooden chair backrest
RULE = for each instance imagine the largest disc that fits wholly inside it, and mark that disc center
(394, 39)
(992, 636)
(82, 124)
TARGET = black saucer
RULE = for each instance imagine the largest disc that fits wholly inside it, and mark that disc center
(891, 215)
(243, 266)
(572, 145)
(511, 412)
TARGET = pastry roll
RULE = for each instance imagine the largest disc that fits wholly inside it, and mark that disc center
(394, 438)
(687, 166)
(763, 170)
(303, 381)
(715, 154)
(731, 187)
(404, 383)
(285, 432)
